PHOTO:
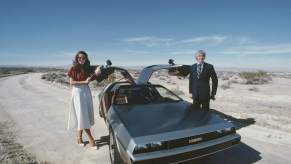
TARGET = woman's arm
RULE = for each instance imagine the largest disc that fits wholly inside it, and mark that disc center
(73, 82)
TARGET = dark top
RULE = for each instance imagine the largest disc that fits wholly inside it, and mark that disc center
(199, 87)
(77, 76)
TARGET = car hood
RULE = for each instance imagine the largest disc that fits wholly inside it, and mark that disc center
(149, 119)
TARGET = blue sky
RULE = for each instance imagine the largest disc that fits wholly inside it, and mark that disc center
(245, 34)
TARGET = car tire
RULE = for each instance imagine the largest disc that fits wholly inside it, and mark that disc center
(113, 150)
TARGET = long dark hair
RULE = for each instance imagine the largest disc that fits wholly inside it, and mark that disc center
(84, 66)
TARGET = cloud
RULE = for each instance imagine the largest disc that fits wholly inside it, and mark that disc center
(137, 52)
(234, 45)
(150, 41)
(186, 52)
(206, 39)
(259, 49)
(65, 53)
(244, 40)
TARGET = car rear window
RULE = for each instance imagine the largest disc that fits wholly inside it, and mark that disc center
(144, 94)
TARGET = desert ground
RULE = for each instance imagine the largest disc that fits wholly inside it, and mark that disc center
(34, 114)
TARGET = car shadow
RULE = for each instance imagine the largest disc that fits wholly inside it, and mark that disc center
(238, 122)
(202, 113)
(240, 154)
(102, 141)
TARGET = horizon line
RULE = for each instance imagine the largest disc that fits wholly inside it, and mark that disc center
(218, 68)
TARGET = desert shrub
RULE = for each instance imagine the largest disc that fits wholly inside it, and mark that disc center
(282, 75)
(27, 70)
(234, 81)
(43, 76)
(259, 77)
(4, 71)
(56, 77)
(52, 76)
(224, 78)
(219, 74)
(252, 75)
(62, 75)
(62, 81)
(255, 89)
(14, 70)
(226, 85)
(225, 75)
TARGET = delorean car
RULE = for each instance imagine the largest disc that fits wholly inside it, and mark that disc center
(148, 123)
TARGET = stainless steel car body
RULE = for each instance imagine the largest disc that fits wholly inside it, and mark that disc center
(176, 124)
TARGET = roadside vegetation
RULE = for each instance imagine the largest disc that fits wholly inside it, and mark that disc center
(259, 77)
(226, 79)
(8, 71)
(244, 78)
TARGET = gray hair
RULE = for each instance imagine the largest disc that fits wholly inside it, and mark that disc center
(201, 52)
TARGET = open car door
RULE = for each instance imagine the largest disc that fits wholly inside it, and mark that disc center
(146, 73)
(107, 70)
(173, 70)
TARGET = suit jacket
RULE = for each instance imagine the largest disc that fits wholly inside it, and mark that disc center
(200, 88)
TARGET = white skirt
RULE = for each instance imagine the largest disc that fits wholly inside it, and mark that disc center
(81, 115)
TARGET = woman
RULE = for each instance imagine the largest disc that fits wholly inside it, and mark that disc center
(81, 114)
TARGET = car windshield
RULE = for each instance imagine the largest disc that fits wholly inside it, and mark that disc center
(144, 94)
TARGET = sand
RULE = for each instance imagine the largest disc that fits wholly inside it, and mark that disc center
(34, 113)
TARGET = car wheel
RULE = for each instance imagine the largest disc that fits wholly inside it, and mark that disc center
(113, 151)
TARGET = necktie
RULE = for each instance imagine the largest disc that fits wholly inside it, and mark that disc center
(199, 70)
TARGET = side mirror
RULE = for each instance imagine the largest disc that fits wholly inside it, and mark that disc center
(108, 63)
(171, 62)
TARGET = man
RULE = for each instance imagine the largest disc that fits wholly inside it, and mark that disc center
(199, 87)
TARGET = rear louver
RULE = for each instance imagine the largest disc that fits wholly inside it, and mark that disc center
(181, 142)
(196, 139)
